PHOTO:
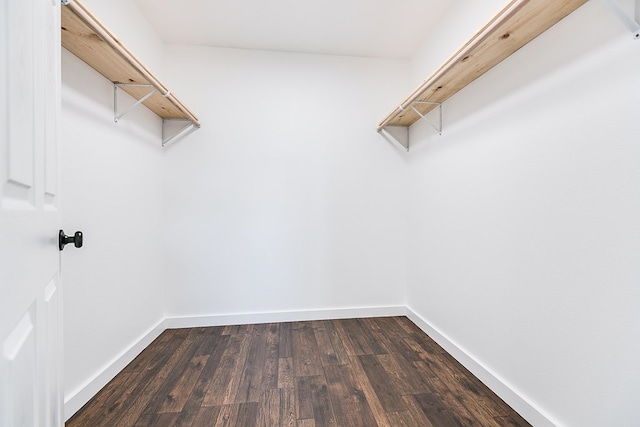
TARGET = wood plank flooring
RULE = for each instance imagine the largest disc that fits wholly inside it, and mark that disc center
(355, 372)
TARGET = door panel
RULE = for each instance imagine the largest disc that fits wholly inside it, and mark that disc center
(20, 35)
(30, 287)
(20, 378)
(51, 92)
(51, 326)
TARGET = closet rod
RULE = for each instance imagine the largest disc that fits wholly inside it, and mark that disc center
(92, 22)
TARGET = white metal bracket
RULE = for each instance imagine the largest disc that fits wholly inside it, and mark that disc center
(169, 132)
(117, 116)
(400, 134)
(177, 133)
(629, 22)
(437, 128)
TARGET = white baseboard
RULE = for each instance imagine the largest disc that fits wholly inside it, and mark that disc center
(286, 316)
(79, 397)
(500, 387)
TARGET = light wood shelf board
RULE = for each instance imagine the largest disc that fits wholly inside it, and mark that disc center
(516, 25)
(88, 39)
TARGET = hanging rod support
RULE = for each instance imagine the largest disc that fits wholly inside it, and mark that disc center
(182, 131)
(630, 23)
(117, 116)
(437, 128)
(398, 134)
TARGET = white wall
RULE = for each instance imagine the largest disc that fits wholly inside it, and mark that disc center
(112, 191)
(112, 187)
(124, 19)
(522, 239)
(524, 233)
(286, 199)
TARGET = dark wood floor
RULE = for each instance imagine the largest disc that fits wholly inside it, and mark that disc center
(355, 372)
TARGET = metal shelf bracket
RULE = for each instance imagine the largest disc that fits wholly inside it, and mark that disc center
(169, 132)
(166, 139)
(117, 116)
(400, 134)
(629, 22)
(437, 128)
(397, 134)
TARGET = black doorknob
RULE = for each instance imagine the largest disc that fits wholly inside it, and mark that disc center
(63, 239)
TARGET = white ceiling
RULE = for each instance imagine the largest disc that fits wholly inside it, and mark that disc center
(370, 28)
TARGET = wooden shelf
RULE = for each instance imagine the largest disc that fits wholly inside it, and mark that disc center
(87, 38)
(516, 25)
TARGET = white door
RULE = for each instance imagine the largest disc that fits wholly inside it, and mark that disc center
(30, 292)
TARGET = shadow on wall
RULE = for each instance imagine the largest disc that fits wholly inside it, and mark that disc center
(509, 78)
(140, 124)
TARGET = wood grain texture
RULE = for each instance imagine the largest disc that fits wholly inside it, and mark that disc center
(513, 27)
(87, 38)
(356, 372)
